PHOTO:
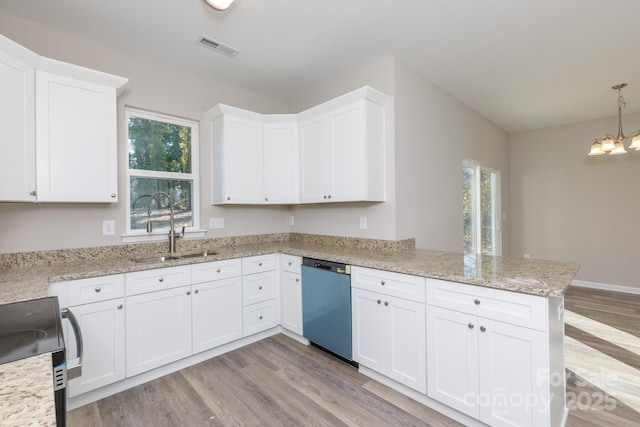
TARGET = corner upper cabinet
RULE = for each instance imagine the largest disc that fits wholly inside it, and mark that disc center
(76, 134)
(254, 157)
(342, 149)
(17, 122)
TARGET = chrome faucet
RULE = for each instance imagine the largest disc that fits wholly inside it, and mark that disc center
(173, 236)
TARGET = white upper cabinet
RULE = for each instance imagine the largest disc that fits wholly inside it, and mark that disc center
(58, 122)
(254, 157)
(334, 152)
(342, 149)
(17, 122)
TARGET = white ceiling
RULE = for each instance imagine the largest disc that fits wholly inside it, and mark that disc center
(524, 64)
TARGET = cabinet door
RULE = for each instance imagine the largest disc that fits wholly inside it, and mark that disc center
(291, 302)
(17, 122)
(280, 162)
(76, 139)
(349, 154)
(102, 326)
(513, 372)
(367, 328)
(217, 313)
(241, 161)
(452, 365)
(404, 323)
(316, 154)
(158, 329)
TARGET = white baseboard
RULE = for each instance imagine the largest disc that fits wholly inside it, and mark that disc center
(606, 287)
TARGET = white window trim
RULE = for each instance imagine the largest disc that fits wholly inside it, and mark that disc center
(497, 202)
(160, 234)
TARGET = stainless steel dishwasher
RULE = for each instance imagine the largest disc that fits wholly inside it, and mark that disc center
(326, 306)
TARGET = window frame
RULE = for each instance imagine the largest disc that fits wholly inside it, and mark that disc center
(496, 202)
(135, 235)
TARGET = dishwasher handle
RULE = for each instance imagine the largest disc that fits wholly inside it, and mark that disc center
(74, 369)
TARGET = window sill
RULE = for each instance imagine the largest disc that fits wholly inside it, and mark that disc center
(159, 236)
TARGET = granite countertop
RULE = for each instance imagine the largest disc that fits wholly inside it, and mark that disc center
(26, 392)
(536, 277)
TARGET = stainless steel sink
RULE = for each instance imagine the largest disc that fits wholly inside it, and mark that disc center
(172, 257)
(155, 259)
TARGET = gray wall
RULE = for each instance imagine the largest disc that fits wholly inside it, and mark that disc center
(434, 133)
(569, 206)
(152, 86)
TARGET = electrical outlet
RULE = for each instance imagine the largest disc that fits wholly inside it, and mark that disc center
(527, 256)
(363, 222)
(108, 227)
(216, 223)
(291, 221)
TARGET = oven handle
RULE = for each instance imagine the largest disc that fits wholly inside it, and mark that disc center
(74, 370)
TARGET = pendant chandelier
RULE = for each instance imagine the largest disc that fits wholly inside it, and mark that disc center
(615, 144)
(219, 4)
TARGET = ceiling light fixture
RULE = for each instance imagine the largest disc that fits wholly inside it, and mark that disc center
(615, 144)
(219, 4)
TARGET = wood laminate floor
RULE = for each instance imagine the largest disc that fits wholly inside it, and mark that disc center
(279, 382)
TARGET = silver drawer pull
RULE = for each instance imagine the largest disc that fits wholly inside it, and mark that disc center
(470, 325)
(476, 302)
(161, 279)
(196, 291)
(120, 306)
(260, 288)
(290, 263)
(259, 264)
(260, 318)
(386, 303)
(188, 292)
(379, 302)
(218, 271)
(98, 289)
(382, 282)
(297, 280)
(113, 195)
(483, 329)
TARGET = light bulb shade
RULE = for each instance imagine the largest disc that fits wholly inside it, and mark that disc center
(219, 4)
(596, 149)
(618, 149)
(635, 143)
(608, 144)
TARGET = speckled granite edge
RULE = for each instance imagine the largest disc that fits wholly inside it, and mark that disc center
(56, 256)
(26, 392)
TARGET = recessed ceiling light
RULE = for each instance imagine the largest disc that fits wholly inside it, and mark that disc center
(219, 4)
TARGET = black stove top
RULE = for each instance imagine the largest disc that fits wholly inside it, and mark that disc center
(29, 328)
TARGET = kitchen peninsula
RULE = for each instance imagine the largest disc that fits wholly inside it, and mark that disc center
(521, 296)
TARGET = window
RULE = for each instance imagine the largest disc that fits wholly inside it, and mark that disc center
(162, 157)
(481, 209)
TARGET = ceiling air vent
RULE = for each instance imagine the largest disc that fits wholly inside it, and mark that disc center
(218, 47)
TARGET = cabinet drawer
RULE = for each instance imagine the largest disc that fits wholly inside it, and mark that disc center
(525, 310)
(258, 264)
(259, 317)
(290, 263)
(259, 287)
(389, 283)
(208, 271)
(94, 289)
(159, 279)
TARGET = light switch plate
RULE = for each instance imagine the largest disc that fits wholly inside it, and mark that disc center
(291, 221)
(108, 227)
(363, 222)
(216, 223)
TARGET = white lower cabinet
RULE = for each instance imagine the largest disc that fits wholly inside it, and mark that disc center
(389, 337)
(158, 329)
(492, 370)
(102, 325)
(217, 313)
(291, 301)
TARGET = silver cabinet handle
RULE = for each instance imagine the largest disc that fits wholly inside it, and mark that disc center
(260, 318)
(196, 291)
(228, 198)
(113, 195)
(98, 289)
(290, 263)
(120, 306)
(188, 292)
(483, 329)
(476, 302)
(329, 196)
(470, 325)
(266, 199)
(386, 303)
(218, 271)
(297, 280)
(259, 264)
(382, 282)
(161, 279)
(379, 302)
(260, 288)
